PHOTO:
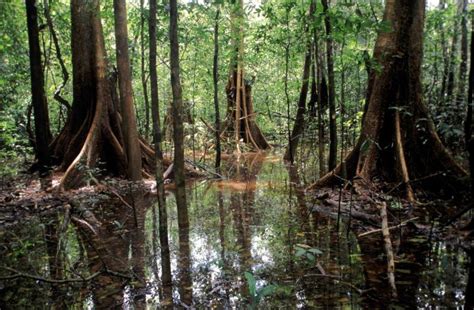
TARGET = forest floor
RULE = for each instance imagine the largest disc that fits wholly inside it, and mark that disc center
(22, 196)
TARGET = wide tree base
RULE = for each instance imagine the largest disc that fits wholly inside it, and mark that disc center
(240, 124)
(398, 143)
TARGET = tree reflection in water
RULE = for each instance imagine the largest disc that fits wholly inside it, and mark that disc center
(257, 220)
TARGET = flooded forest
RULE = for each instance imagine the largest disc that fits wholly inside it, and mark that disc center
(236, 154)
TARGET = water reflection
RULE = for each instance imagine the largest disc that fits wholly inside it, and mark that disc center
(259, 221)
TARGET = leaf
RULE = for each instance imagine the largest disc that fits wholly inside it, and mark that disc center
(300, 252)
(252, 283)
(265, 291)
(315, 251)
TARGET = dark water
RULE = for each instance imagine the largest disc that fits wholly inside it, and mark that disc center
(251, 241)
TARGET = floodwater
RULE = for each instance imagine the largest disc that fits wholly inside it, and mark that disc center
(250, 241)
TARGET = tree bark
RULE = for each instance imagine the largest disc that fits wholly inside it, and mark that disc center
(143, 71)
(332, 91)
(178, 135)
(299, 126)
(215, 75)
(322, 105)
(468, 123)
(444, 45)
(396, 89)
(38, 97)
(166, 278)
(129, 123)
(461, 92)
(450, 86)
(92, 133)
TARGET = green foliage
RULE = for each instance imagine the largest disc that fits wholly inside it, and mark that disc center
(307, 252)
(271, 28)
(256, 294)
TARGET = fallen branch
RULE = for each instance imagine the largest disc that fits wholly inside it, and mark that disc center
(84, 223)
(168, 171)
(335, 278)
(390, 228)
(19, 274)
(388, 250)
(204, 168)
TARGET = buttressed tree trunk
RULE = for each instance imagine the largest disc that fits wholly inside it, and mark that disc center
(129, 123)
(40, 106)
(398, 141)
(92, 133)
(240, 112)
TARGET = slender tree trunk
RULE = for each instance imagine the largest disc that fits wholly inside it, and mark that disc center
(215, 75)
(332, 90)
(287, 67)
(313, 100)
(40, 105)
(444, 45)
(461, 95)
(160, 189)
(450, 86)
(178, 135)
(129, 123)
(468, 123)
(143, 71)
(57, 93)
(343, 100)
(299, 125)
(322, 104)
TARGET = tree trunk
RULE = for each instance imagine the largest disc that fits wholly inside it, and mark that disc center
(461, 92)
(398, 142)
(160, 189)
(450, 86)
(444, 45)
(92, 133)
(240, 112)
(143, 71)
(299, 126)
(332, 90)
(40, 105)
(215, 75)
(129, 123)
(468, 123)
(178, 135)
(322, 104)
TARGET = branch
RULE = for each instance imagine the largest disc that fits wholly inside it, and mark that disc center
(57, 92)
(389, 228)
(388, 250)
(19, 274)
